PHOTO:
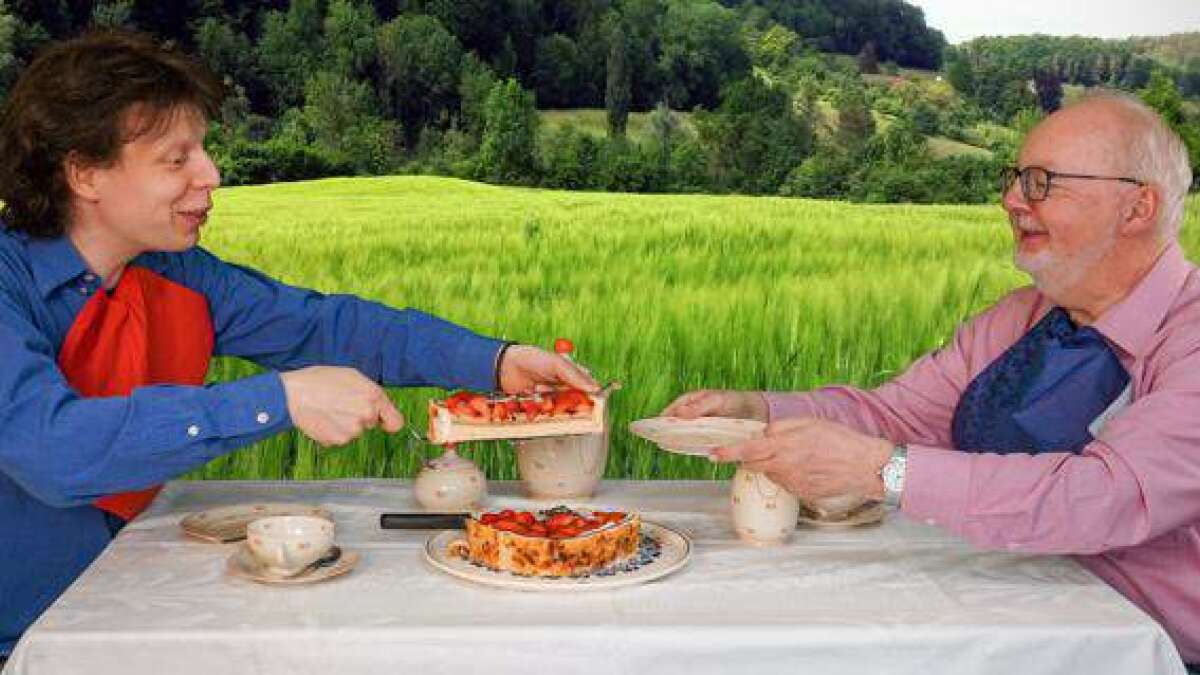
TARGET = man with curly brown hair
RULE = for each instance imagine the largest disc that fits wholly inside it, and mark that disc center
(109, 314)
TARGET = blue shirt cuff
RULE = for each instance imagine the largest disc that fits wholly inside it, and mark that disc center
(250, 409)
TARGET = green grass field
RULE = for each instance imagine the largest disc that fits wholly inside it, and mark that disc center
(665, 293)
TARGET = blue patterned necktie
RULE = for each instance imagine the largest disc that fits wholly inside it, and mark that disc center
(1041, 394)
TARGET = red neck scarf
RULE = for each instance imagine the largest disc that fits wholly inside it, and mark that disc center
(148, 330)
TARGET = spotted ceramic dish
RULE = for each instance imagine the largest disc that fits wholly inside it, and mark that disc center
(228, 523)
(867, 514)
(661, 551)
(243, 564)
(696, 436)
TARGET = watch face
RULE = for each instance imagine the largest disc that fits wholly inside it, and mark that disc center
(892, 472)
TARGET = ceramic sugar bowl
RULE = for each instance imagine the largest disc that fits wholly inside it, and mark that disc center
(562, 467)
(763, 513)
(450, 483)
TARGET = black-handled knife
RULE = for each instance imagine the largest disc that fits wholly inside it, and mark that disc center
(422, 521)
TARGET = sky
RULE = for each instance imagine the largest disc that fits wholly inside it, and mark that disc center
(962, 20)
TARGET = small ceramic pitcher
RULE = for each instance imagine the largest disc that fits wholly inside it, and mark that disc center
(763, 512)
(450, 483)
(562, 467)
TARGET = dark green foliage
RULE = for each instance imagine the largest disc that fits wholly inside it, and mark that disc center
(419, 63)
(617, 88)
(510, 127)
(1049, 90)
(290, 49)
(868, 59)
(926, 119)
(701, 51)
(247, 163)
(897, 28)
(569, 159)
(822, 176)
(556, 74)
(855, 122)
(474, 85)
(754, 138)
(350, 27)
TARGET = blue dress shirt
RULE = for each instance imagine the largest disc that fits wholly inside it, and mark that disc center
(59, 451)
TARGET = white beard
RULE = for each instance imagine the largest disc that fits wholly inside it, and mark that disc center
(1055, 274)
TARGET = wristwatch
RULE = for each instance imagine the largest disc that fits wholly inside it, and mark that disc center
(892, 474)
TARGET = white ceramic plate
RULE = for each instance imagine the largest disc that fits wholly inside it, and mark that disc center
(243, 564)
(228, 523)
(673, 550)
(696, 436)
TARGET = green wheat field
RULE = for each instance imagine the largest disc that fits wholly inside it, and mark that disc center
(664, 293)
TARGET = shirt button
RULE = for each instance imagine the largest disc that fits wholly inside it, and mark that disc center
(263, 418)
(83, 290)
(89, 277)
(193, 431)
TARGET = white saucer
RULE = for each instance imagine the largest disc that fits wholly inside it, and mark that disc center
(243, 564)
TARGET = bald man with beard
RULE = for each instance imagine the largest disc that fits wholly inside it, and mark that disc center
(1064, 419)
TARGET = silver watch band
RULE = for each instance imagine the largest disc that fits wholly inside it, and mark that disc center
(892, 474)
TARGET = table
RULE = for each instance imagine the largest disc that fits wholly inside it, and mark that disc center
(900, 597)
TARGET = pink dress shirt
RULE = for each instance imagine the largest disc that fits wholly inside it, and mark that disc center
(1127, 507)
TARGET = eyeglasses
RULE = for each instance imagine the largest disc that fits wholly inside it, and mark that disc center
(1036, 180)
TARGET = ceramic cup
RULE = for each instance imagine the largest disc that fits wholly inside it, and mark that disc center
(763, 512)
(450, 483)
(562, 467)
(285, 545)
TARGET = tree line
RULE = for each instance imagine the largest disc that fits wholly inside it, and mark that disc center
(747, 96)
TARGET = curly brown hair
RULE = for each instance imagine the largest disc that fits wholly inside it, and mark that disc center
(74, 100)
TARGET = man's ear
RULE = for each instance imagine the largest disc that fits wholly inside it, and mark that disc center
(81, 177)
(1140, 211)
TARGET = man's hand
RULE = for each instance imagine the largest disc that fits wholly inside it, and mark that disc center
(333, 406)
(524, 368)
(814, 459)
(747, 405)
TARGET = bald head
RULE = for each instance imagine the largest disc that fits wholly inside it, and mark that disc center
(1118, 134)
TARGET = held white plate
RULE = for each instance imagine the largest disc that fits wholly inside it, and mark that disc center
(696, 436)
(228, 523)
(674, 550)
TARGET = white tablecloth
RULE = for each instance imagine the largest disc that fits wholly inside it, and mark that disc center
(897, 598)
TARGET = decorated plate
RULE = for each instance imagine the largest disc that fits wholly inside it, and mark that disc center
(696, 436)
(228, 523)
(661, 551)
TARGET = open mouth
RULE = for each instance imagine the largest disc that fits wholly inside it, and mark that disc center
(194, 219)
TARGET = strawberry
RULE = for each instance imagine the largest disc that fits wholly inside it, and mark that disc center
(570, 401)
(531, 409)
(558, 520)
(525, 518)
(480, 405)
(501, 411)
(563, 346)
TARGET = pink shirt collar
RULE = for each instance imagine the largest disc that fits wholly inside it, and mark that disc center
(1132, 322)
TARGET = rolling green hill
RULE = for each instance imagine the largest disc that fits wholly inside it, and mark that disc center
(665, 293)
